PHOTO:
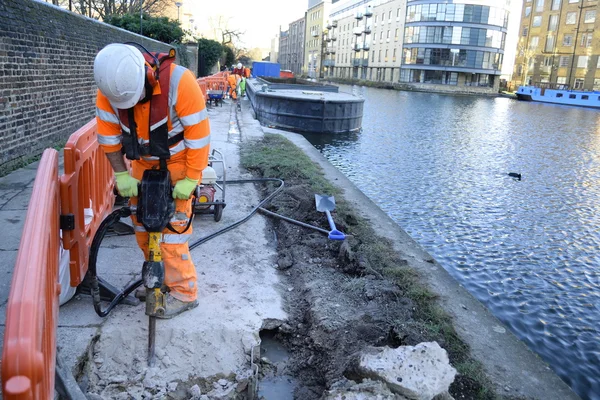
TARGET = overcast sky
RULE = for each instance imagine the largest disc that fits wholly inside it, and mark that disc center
(259, 19)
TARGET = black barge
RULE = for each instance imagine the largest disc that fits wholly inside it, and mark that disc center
(304, 106)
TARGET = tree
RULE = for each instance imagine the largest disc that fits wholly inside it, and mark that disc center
(209, 52)
(228, 56)
(159, 28)
(103, 8)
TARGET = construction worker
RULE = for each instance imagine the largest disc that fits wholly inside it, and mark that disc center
(246, 72)
(231, 79)
(149, 95)
(239, 69)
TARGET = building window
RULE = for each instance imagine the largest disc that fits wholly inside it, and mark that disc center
(582, 62)
(555, 5)
(590, 17)
(386, 55)
(561, 80)
(573, 1)
(539, 5)
(586, 39)
(398, 14)
(525, 31)
(571, 18)
(568, 40)
(390, 17)
(388, 35)
(373, 56)
(578, 85)
(598, 63)
(537, 21)
(564, 61)
(394, 56)
(549, 44)
(596, 84)
(527, 11)
(379, 57)
(533, 43)
(553, 23)
(397, 34)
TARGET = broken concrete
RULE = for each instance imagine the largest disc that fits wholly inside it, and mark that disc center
(418, 372)
(367, 390)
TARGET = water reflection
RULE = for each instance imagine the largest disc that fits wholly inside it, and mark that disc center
(527, 249)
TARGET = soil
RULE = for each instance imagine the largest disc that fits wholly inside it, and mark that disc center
(337, 305)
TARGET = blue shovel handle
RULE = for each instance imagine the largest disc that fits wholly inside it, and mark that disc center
(334, 234)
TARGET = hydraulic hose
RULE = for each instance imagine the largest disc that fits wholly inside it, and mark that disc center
(292, 221)
(254, 210)
(112, 219)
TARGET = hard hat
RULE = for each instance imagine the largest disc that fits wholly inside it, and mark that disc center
(240, 65)
(119, 73)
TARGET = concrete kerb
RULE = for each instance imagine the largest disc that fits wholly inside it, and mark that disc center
(511, 366)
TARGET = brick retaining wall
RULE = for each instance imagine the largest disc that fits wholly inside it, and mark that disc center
(47, 88)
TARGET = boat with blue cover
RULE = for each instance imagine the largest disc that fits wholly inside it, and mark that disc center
(559, 94)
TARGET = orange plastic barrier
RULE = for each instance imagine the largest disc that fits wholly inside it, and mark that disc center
(29, 353)
(86, 184)
(216, 83)
(203, 87)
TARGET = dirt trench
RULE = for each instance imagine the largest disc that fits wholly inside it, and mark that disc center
(338, 305)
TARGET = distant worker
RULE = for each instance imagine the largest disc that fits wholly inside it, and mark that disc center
(239, 69)
(146, 102)
(246, 72)
(231, 79)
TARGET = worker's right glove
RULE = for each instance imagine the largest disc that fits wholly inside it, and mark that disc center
(127, 185)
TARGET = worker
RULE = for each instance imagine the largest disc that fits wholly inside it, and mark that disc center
(232, 80)
(239, 69)
(129, 87)
(246, 72)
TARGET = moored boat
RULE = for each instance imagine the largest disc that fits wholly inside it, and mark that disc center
(559, 94)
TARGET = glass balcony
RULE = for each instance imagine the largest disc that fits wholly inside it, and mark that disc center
(329, 63)
(368, 29)
(334, 24)
(369, 12)
(357, 31)
(356, 62)
(357, 47)
(359, 16)
(366, 46)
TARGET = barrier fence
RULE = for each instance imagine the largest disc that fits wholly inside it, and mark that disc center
(29, 352)
(86, 195)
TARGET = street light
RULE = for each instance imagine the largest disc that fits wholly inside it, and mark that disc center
(178, 4)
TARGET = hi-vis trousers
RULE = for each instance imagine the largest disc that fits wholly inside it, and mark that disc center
(180, 273)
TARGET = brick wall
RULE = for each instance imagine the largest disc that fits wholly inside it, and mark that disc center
(47, 88)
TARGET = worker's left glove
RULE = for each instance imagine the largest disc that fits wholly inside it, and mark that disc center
(184, 188)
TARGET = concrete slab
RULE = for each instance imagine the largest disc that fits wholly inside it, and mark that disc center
(19, 201)
(12, 223)
(72, 344)
(8, 258)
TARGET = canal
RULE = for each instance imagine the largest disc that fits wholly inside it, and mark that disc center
(528, 249)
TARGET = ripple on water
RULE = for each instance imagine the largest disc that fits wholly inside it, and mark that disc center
(527, 249)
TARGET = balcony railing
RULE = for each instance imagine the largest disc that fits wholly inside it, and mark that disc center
(356, 62)
(359, 16)
(369, 12)
(329, 63)
(357, 31)
(368, 29)
(334, 24)
(357, 47)
(330, 50)
(366, 46)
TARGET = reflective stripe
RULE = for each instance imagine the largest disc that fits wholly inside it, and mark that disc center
(177, 148)
(178, 72)
(173, 238)
(159, 123)
(150, 158)
(197, 143)
(139, 228)
(195, 118)
(143, 141)
(125, 129)
(109, 140)
(106, 116)
(177, 127)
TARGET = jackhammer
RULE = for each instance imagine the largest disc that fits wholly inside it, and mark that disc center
(154, 210)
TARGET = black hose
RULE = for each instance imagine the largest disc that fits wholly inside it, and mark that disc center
(112, 219)
(292, 221)
(116, 215)
(254, 210)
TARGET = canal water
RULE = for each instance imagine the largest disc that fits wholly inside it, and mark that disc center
(529, 249)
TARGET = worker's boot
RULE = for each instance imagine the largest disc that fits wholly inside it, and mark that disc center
(175, 307)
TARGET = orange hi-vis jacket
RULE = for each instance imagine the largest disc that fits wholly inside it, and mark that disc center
(186, 113)
(246, 72)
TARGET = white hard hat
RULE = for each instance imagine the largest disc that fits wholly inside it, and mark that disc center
(119, 73)
(240, 65)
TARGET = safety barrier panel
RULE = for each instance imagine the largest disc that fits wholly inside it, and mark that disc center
(86, 192)
(29, 353)
(203, 87)
(216, 83)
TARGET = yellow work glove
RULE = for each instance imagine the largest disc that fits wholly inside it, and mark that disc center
(127, 185)
(184, 188)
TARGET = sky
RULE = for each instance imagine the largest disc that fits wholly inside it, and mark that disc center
(260, 20)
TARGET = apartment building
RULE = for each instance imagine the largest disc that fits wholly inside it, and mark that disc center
(387, 38)
(559, 44)
(291, 47)
(316, 15)
(455, 44)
